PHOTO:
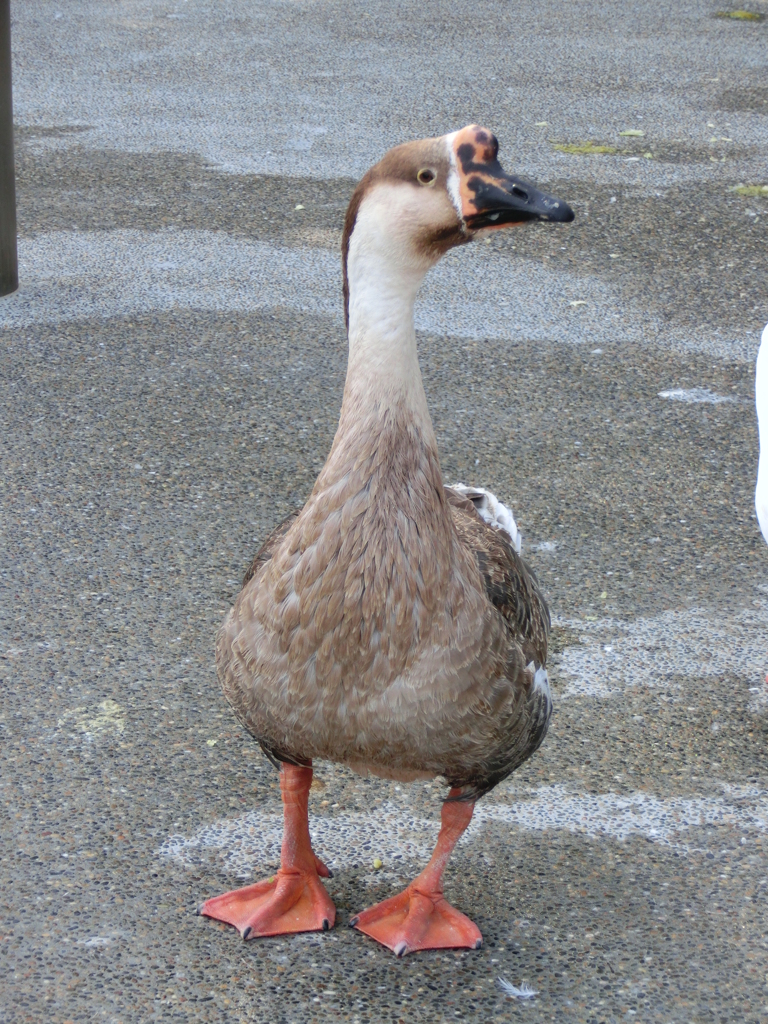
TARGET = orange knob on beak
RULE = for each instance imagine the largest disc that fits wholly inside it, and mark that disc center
(489, 196)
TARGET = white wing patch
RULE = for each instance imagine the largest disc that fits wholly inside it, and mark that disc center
(541, 683)
(493, 512)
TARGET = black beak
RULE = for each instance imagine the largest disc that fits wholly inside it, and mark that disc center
(498, 199)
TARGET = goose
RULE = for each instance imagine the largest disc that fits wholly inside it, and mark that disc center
(391, 625)
(761, 403)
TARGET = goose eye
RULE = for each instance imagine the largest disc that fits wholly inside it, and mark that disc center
(426, 176)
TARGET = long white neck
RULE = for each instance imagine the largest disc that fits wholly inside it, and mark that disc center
(384, 276)
(385, 431)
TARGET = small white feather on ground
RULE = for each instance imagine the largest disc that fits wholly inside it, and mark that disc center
(696, 396)
(524, 992)
(494, 512)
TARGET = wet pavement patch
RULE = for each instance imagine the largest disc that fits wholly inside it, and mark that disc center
(752, 98)
(138, 486)
(105, 190)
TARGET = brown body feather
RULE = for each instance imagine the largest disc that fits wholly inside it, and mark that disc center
(387, 626)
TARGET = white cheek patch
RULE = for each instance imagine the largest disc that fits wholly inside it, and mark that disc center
(453, 178)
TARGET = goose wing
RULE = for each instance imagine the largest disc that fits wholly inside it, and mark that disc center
(510, 584)
(513, 590)
(260, 559)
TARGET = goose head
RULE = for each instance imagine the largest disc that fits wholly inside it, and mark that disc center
(425, 197)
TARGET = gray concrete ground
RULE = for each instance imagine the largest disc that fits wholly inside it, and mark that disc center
(171, 374)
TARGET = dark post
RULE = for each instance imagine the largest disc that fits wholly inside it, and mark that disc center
(9, 264)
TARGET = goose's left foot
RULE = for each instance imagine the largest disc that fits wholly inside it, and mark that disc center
(418, 920)
(421, 917)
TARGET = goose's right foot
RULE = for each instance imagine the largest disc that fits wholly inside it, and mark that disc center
(292, 901)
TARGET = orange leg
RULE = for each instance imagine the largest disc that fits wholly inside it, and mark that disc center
(420, 917)
(295, 900)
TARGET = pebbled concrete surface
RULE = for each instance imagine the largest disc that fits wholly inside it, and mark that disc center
(171, 375)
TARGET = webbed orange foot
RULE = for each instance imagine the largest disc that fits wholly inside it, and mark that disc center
(292, 901)
(416, 920)
(420, 917)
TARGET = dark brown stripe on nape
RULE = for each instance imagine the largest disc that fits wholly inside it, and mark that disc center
(349, 226)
